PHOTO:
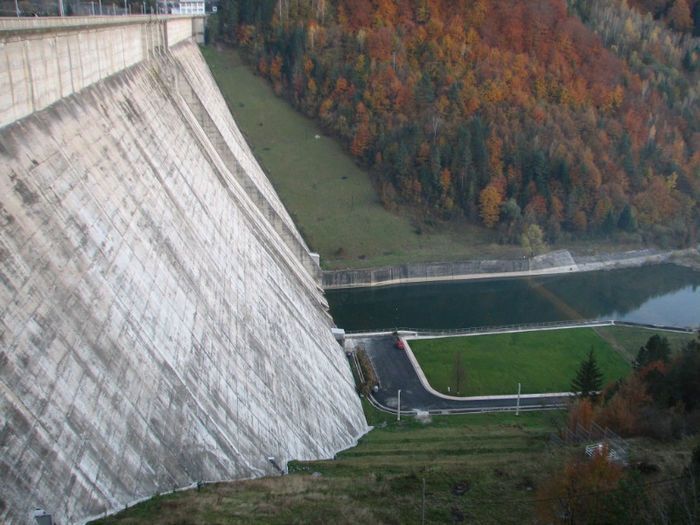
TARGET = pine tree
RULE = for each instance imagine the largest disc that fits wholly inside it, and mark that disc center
(589, 379)
(425, 92)
(627, 222)
(657, 348)
(479, 153)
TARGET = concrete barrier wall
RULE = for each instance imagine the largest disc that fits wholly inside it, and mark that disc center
(73, 22)
(158, 321)
(559, 261)
(178, 29)
(43, 60)
(423, 272)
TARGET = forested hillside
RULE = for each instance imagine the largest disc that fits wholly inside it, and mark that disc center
(548, 118)
(681, 15)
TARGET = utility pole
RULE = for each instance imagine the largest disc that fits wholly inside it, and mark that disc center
(517, 407)
(398, 408)
(422, 505)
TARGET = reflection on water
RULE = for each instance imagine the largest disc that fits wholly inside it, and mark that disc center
(663, 294)
(681, 308)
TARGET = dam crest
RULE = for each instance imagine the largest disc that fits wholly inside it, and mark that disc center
(162, 321)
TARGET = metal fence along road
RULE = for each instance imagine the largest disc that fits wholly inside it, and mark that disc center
(525, 327)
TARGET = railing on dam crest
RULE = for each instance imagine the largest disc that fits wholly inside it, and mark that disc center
(51, 58)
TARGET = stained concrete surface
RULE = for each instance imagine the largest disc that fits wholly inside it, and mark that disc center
(161, 321)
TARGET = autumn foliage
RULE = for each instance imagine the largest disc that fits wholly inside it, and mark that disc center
(580, 414)
(682, 15)
(661, 399)
(576, 494)
(463, 106)
(625, 411)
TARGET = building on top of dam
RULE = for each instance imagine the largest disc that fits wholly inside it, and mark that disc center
(188, 7)
(162, 321)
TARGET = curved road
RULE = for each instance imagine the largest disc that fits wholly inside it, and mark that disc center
(395, 371)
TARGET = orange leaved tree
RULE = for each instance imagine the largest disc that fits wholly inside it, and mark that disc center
(578, 492)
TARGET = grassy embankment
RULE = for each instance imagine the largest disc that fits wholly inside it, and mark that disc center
(469, 463)
(628, 340)
(544, 361)
(331, 199)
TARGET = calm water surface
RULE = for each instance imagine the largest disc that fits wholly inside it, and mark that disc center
(663, 295)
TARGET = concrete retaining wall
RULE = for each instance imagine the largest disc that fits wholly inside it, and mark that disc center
(43, 60)
(159, 322)
(560, 261)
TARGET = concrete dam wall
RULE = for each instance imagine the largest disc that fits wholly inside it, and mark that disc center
(161, 319)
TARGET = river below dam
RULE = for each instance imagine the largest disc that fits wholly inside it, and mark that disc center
(664, 294)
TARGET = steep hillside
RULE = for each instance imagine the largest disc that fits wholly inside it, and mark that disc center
(522, 116)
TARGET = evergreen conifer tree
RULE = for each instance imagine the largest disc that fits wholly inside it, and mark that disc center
(589, 378)
(627, 222)
(657, 348)
(609, 223)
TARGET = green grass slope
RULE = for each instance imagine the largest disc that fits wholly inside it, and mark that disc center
(544, 361)
(331, 199)
(628, 340)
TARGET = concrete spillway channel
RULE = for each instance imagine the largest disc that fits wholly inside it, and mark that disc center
(161, 318)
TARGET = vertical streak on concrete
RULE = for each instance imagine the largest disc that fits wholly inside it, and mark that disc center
(10, 86)
(28, 77)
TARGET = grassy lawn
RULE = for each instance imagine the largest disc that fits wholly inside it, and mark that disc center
(332, 200)
(628, 340)
(544, 361)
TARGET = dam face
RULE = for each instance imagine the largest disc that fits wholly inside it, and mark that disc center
(161, 319)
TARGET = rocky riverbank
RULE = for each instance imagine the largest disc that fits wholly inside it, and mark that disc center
(560, 261)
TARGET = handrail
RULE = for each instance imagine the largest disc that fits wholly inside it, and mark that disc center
(518, 327)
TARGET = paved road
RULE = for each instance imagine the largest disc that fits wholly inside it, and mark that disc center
(395, 371)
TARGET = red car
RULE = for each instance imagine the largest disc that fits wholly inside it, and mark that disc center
(400, 345)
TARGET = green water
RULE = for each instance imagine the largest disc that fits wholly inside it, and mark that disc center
(666, 295)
